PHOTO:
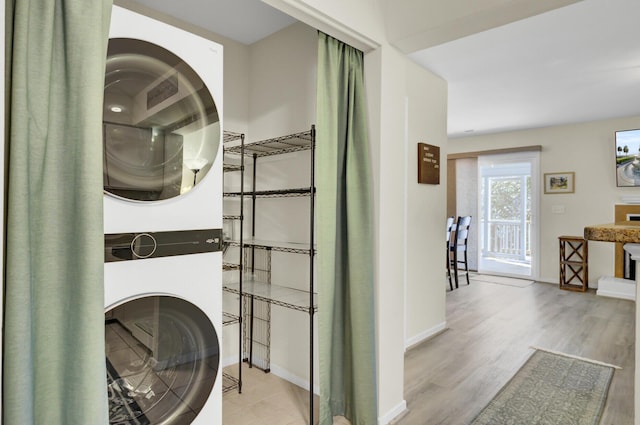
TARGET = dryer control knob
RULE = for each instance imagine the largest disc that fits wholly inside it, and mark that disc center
(143, 245)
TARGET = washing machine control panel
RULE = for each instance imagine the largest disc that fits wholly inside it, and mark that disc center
(142, 245)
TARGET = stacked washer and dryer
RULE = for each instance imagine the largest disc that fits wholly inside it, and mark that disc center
(162, 132)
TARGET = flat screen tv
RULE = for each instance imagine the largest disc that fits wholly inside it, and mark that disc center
(628, 158)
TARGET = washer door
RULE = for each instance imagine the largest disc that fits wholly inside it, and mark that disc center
(162, 358)
(161, 129)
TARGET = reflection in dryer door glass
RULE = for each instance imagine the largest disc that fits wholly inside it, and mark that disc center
(162, 357)
(161, 129)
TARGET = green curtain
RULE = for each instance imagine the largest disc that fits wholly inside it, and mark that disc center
(348, 379)
(54, 368)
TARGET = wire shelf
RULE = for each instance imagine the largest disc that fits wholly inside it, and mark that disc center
(283, 296)
(229, 382)
(230, 136)
(276, 146)
(291, 247)
(231, 167)
(281, 193)
(229, 319)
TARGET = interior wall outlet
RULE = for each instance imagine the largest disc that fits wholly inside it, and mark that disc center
(557, 209)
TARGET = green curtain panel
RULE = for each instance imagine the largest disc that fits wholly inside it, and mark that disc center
(54, 368)
(348, 379)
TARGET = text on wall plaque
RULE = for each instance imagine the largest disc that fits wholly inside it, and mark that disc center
(428, 164)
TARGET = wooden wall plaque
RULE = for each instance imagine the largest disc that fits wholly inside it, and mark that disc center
(428, 164)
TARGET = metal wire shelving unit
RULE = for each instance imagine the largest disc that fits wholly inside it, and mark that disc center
(257, 289)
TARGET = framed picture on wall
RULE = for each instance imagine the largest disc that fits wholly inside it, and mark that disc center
(627, 158)
(559, 182)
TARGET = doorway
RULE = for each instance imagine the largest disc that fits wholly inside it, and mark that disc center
(507, 206)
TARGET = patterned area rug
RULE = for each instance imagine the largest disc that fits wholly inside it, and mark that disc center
(500, 280)
(551, 389)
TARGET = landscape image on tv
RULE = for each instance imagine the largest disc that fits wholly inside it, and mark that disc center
(628, 158)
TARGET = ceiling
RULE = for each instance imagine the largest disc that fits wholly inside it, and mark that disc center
(245, 21)
(574, 64)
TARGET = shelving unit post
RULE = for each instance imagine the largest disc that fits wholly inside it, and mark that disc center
(230, 382)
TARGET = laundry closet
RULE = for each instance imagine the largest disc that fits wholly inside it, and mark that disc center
(275, 335)
(280, 73)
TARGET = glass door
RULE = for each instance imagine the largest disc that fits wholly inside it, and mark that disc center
(162, 357)
(507, 214)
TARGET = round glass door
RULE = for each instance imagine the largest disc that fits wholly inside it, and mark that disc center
(161, 129)
(162, 356)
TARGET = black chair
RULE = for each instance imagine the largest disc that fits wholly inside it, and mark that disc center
(458, 246)
(450, 229)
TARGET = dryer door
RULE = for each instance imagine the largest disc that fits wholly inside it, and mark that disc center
(162, 358)
(161, 129)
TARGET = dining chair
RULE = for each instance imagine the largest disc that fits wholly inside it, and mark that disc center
(458, 248)
(450, 229)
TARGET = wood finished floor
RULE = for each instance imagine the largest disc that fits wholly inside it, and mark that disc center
(451, 377)
(265, 399)
(268, 400)
(490, 327)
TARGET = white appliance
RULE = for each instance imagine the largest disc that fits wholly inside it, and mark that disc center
(162, 137)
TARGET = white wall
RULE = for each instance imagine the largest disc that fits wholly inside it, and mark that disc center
(408, 105)
(588, 150)
(282, 93)
(391, 249)
(282, 82)
(426, 120)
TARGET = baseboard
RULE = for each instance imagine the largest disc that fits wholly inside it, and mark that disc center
(394, 413)
(280, 372)
(615, 295)
(283, 373)
(546, 279)
(422, 336)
